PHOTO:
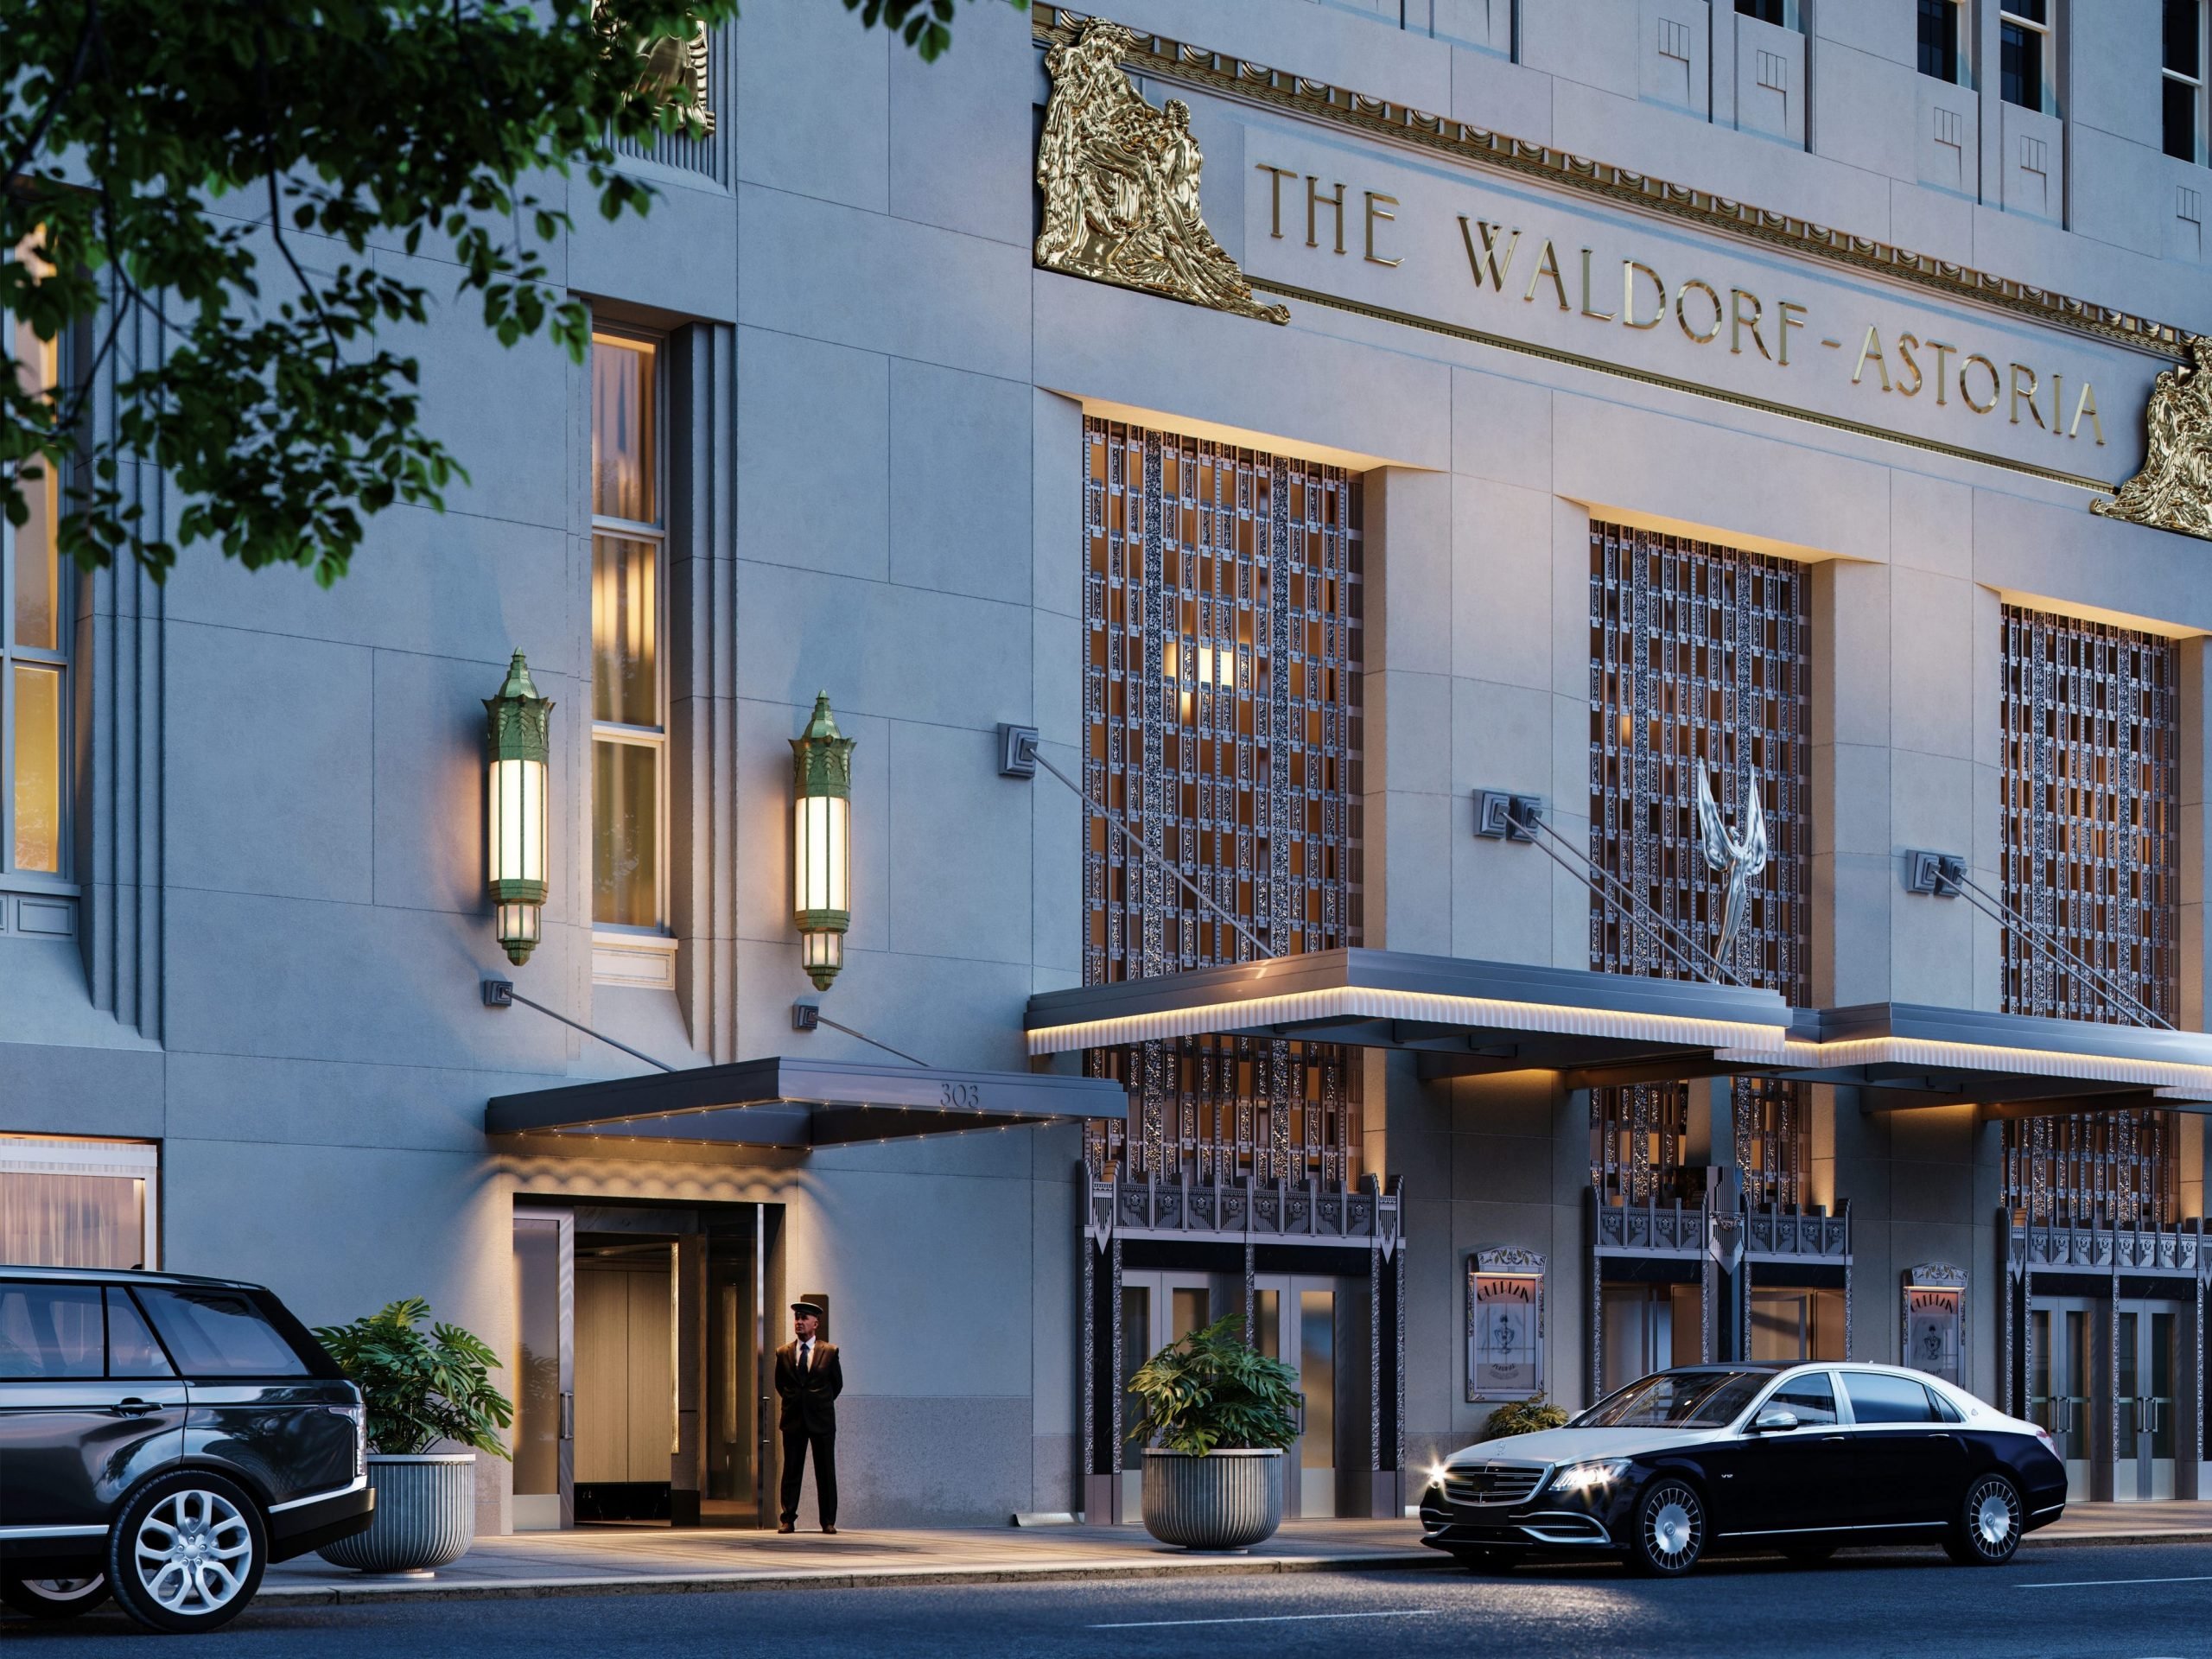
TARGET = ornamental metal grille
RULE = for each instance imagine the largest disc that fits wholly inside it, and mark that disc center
(1697, 659)
(2091, 730)
(1222, 722)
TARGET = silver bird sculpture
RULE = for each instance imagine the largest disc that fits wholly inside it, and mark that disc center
(1739, 857)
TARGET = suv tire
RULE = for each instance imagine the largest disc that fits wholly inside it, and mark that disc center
(187, 1551)
(1667, 1532)
(1985, 1530)
(55, 1596)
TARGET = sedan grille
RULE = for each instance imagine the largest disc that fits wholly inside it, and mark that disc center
(1493, 1483)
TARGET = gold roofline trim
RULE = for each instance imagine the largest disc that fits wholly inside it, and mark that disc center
(1692, 388)
(1238, 79)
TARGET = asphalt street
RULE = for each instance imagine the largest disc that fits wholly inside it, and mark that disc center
(2088, 1603)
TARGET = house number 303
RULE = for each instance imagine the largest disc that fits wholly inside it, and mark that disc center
(967, 1095)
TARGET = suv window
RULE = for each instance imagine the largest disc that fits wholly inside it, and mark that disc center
(131, 1349)
(50, 1331)
(1812, 1396)
(217, 1332)
(1876, 1398)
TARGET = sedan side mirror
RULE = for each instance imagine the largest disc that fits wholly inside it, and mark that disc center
(1774, 1421)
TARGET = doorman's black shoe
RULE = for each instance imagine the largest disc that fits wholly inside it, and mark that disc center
(829, 1531)
(785, 1526)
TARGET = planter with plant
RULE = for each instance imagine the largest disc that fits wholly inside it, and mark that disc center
(1523, 1417)
(421, 1388)
(1217, 1418)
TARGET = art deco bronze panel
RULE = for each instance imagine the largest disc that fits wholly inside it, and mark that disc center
(1697, 668)
(2090, 721)
(1221, 719)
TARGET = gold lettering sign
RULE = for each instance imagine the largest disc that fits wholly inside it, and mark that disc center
(1120, 184)
(2174, 489)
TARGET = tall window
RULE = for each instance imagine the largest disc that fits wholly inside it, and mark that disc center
(1222, 722)
(2182, 78)
(1939, 39)
(629, 694)
(2091, 859)
(2023, 49)
(1697, 665)
(34, 631)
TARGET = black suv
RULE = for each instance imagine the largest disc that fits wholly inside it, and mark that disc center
(162, 1440)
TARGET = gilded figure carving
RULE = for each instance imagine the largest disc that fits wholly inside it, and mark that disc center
(670, 63)
(1120, 183)
(2173, 490)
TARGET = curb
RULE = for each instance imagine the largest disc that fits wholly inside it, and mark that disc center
(639, 1583)
(665, 1584)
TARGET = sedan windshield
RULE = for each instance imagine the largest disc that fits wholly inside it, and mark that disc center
(1677, 1400)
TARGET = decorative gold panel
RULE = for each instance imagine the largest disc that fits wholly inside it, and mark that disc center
(1120, 184)
(2174, 489)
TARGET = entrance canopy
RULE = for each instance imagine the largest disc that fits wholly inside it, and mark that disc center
(1474, 1015)
(1600, 1029)
(802, 1103)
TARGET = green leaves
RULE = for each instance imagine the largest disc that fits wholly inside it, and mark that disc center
(1210, 1390)
(238, 209)
(420, 1389)
(1523, 1417)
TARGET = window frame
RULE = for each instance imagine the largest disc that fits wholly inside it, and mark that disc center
(2168, 76)
(655, 737)
(2044, 30)
(130, 1161)
(1955, 10)
(61, 878)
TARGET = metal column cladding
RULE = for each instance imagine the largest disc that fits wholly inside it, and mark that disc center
(2090, 858)
(1698, 665)
(1221, 717)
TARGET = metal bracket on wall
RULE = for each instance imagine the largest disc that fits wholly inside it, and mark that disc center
(1938, 876)
(1017, 751)
(1503, 815)
(501, 993)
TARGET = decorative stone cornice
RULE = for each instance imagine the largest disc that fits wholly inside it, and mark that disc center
(1228, 76)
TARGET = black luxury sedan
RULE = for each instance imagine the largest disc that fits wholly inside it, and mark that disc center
(1802, 1459)
(162, 1440)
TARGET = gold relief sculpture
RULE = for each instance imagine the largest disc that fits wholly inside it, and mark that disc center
(1120, 183)
(670, 63)
(2173, 490)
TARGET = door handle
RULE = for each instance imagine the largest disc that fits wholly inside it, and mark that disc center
(568, 1416)
(131, 1406)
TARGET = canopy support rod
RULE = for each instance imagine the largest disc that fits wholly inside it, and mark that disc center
(2002, 913)
(501, 993)
(1540, 834)
(1152, 853)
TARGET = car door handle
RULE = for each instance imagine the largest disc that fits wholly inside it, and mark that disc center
(131, 1406)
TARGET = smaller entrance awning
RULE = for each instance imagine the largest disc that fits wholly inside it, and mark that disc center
(797, 1103)
(1906, 1054)
(1493, 1014)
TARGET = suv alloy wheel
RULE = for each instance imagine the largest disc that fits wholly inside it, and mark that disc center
(59, 1597)
(187, 1552)
(1988, 1528)
(1669, 1529)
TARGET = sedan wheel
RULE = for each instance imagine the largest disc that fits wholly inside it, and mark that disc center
(1669, 1531)
(56, 1597)
(187, 1553)
(1987, 1530)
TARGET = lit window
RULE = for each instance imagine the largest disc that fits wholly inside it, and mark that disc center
(2023, 45)
(33, 652)
(1939, 39)
(78, 1203)
(2182, 78)
(628, 607)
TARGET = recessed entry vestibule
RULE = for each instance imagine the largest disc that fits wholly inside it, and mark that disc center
(640, 1371)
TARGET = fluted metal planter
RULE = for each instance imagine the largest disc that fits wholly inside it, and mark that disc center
(1224, 1500)
(426, 1515)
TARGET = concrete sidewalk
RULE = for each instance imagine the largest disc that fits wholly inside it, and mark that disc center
(601, 1560)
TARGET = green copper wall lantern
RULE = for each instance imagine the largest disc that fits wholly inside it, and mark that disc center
(515, 740)
(822, 847)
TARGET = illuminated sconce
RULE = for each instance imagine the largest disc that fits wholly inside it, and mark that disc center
(822, 847)
(515, 739)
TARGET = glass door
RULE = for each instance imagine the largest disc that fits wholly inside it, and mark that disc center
(2145, 1356)
(2062, 1383)
(1294, 1319)
(1158, 1307)
(544, 1370)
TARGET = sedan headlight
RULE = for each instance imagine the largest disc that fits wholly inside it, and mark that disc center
(1436, 1474)
(1589, 1477)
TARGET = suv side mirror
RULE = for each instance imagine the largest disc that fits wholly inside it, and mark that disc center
(1774, 1421)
